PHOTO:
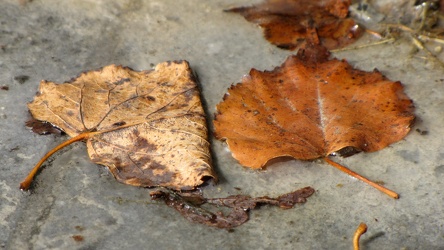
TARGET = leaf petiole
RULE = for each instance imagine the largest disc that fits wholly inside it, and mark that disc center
(362, 228)
(357, 176)
(26, 183)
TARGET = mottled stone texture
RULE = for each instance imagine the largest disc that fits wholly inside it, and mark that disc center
(76, 204)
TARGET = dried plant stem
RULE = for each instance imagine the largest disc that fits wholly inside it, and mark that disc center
(421, 46)
(364, 45)
(398, 26)
(357, 176)
(26, 183)
(419, 37)
(362, 228)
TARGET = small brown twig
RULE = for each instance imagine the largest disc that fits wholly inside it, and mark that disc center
(362, 228)
(418, 43)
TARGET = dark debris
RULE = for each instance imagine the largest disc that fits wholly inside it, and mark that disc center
(190, 205)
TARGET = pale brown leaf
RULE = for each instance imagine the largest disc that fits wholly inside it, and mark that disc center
(148, 127)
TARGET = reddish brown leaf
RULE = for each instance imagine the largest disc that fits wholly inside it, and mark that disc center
(148, 127)
(309, 108)
(240, 205)
(288, 23)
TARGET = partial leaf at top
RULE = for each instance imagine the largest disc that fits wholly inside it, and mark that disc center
(288, 24)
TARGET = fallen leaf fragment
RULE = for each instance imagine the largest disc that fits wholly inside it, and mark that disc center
(42, 128)
(240, 205)
(288, 23)
(311, 107)
(147, 127)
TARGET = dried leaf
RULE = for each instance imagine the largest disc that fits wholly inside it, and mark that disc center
(309, 108)
(148, 127)
(240, 205)
(288, 23)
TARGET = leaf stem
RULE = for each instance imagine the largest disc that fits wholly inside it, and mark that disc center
(357, 176)
(362, 228)
(26, 183)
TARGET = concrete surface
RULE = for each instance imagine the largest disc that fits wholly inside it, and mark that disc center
(76, 204)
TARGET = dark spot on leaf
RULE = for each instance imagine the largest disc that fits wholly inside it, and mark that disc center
(189, 95)
(142, 143)
(158, 166)
(118, 124)
(122, 81)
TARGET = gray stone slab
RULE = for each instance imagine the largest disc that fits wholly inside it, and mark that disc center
(76, 204)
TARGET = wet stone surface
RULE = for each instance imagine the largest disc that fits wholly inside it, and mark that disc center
(75, 204)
